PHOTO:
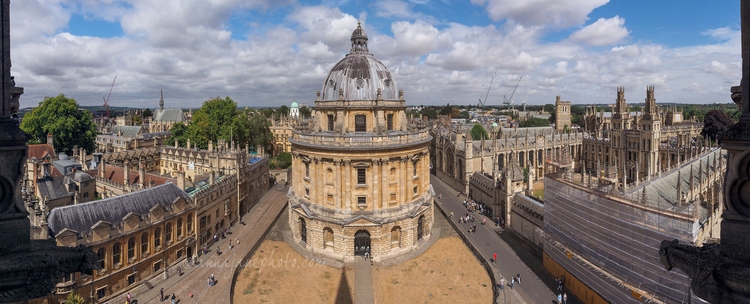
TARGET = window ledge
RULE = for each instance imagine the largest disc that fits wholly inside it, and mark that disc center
(361, 186)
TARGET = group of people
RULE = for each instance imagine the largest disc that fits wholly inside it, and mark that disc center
(162, 298)
(562, 298)
(472, 206)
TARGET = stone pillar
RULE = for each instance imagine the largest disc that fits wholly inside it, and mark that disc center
(181, 180)
(126, 175)
(141, 174)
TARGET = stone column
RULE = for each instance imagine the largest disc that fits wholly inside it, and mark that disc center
(384, 195)
(338, 183)
(374, 190)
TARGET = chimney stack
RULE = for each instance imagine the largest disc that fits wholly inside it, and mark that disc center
(212, 177)
(188, 143)
(181, 180)
(51, 141)
(210, 146)
(141, 174)
(126, 174)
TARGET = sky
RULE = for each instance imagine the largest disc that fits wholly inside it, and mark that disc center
(265, 53)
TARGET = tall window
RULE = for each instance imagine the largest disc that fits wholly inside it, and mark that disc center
(101, 253)
(330, 122)
(131, 248)
(157, 238)
(307, 170)
(189, 223)
(179, 228)
(116, 253)
(390, 121)
(415, 167)
(361, 176)
(168, 233)
(360, 123)
(144, 243)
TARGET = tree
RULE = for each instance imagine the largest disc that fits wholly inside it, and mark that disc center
(74, 298)
(447, 110)
(179, 133)
(464, 115)
(534, 122)
(715, 124)
(305, 112)
(478, 132)
(218, 119)
(549, 108)
(455, 112)
(61, 117)
(147, 113)
(259, 132)
(284, 110)
(284, 160)
(430, 113)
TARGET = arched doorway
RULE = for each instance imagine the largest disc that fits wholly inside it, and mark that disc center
(302, 230)
(361, 242)
(420, 227)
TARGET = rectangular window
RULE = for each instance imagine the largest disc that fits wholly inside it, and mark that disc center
(330, 122)
(390, 122)
(415, 168)
(307, 170)
(361, 201)
(101, 292)
(157, 266)
(361, 176)
(360, 123)
(416, 189)
(85, 194)
(307, 192)
(131, 279)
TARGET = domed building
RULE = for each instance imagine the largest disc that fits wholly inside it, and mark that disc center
(361, 179)
(294, 110)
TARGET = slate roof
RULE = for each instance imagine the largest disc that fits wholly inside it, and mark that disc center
(40, 151)
(53, 188)
(82, 217)
(78, 176)
(65, 164)
(127, 131)
(169, 115)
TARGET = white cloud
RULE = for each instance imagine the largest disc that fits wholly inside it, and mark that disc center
(602, 32)
(555, 13)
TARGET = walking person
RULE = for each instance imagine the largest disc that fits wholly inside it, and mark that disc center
(519, 278)
(502, 283)
(494, 257)
(161, 293)
(174, 299)
(559, 298)
(512, 282)
(565, 298)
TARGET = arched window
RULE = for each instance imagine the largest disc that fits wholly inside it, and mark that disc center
(168, 233)
(302, 230)
(144, 243)
(131, 248)
(396, 237)
(179, 228)
(329, 176)
(157, 238)
(116, 250)
(327, 238)
(101, 254)
(189, 227)
(393, 175)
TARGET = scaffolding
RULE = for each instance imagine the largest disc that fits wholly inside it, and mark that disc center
(616, 241)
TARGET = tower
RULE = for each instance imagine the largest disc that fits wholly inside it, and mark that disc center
(649, 126)
(562, 114)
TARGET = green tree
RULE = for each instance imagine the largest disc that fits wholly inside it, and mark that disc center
(715, 124)
(259, 132)
(478, 132)
(430, 113)
(74, 298)
(218, 118)
(61, 117)
(447, 110)
(549, 108)
(534, 122)
(179, 133)
(147, 113)
(284, 160)
(284, 110)
(305, 112)
(464, 115)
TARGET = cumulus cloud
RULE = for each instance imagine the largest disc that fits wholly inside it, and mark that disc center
(602, 32)
(555, 13)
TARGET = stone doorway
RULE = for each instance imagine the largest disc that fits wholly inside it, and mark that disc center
(361, 242)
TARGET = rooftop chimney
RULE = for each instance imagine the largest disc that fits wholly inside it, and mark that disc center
(181, 180)
(141, 175)
(51, 141)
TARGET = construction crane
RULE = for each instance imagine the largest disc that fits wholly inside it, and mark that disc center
(481, 103)
(509, 101)
(106, 100)
(524, 98)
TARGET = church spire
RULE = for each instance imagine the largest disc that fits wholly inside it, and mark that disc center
(161, 99)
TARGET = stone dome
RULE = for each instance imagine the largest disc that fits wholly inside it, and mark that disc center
(294, 105)
(359, 75)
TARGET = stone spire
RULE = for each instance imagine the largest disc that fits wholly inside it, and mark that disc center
(161, 99)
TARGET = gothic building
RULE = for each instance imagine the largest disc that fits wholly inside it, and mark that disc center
(360, 168)
(164, 118)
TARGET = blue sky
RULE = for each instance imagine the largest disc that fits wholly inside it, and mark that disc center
(270, 52)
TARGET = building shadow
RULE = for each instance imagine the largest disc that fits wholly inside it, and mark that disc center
(344, 293)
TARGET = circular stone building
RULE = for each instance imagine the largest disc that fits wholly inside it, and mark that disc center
(361, 170)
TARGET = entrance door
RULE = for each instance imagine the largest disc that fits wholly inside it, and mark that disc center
(420, 227)
(361, 242)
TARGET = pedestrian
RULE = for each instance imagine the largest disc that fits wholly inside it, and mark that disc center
(512, 282)
(559, 298)
(161, 293)
(502, 283)
(451, 214)
(565, 298)
(519, 278)
(494, 257)
(129, 298)
(238, 241)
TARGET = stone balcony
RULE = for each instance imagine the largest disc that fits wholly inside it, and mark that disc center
(361, 141)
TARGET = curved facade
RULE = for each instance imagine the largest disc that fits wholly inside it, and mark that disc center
(360, 179)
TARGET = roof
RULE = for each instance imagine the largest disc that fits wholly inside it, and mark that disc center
(81, 217)
(40, 151)
(169, 115)
(359, 75)
(117, 174)
(78, 176)
(65, 164)
(294, 105)
(126, 131)
(53, 188)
